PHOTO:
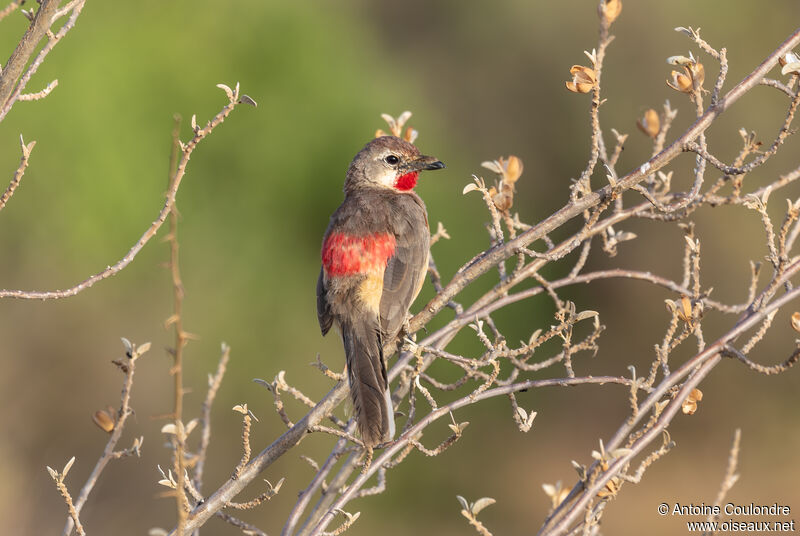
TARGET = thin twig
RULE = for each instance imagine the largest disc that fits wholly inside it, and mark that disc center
(23, 165)
(13, 80)
(730, 477)
(128, 366)
(214, 383)
(151, 231)
(181, 338)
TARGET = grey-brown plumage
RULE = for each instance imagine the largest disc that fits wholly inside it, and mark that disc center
(374, 260)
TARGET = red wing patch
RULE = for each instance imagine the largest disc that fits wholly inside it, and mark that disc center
(344, 254)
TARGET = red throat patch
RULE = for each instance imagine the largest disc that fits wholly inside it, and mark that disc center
(344, 254)
(407, 182)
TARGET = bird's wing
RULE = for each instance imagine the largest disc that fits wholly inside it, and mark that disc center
(403, 277)
(323, 307)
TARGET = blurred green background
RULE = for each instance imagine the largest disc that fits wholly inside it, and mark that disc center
(483, 79)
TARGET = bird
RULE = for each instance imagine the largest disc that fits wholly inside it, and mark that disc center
(374, 261)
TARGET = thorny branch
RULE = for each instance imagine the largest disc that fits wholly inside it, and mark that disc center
(663, 397)
(116, 422)
(186, 150)
(600, 214)
(181, 338)
(15, 76)
(23, 165)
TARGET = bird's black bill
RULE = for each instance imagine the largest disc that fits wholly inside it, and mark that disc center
(422, 163)
(434, 165)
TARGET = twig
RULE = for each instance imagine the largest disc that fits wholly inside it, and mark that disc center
(481, 264)
(214, 383)
(247, 528)
(267, 495)
(13, 80)
(246, 424)
(23, 165)
(316, 483)
(577, 207)
(730, 473)
(699, 366)
(409, 436)
(128, 366)
(181, 337)
(58, 478)
(13, 68)
(6, 11)
(730, 351)
(39, 94)
(186, 152)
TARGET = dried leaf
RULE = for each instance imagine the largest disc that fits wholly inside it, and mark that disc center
(227, 90)
(403, 118)
(679, 60)
(609, 10)
(128, 346)
(619, 453)
(493, 166)
(689, 406)
(389, 120)
(67, 467)
(246, 99)
(191, 426)
(480, 504)
(796, 321)
(277, 487)
(649, 124)
(583, 315)
(502, 201)
(534, 336)
(686, 308)
(514, 169)
(793, 67)
(469, 188)
(583, 79)
(103, 421)
(169, 429)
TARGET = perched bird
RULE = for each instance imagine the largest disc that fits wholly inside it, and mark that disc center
(374, 261)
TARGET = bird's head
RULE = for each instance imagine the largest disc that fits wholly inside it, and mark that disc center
(389, 163)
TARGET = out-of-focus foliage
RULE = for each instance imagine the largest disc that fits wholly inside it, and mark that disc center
(483, 80)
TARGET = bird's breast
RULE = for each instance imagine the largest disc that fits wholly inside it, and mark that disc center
(345, 254)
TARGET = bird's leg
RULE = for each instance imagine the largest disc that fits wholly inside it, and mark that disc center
(406, 328)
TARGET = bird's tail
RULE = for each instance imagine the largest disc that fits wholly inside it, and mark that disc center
(369, 388)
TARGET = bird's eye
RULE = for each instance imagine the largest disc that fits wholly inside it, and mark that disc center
(392, 160)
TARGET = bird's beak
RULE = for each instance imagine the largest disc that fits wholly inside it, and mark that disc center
(425, 163)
